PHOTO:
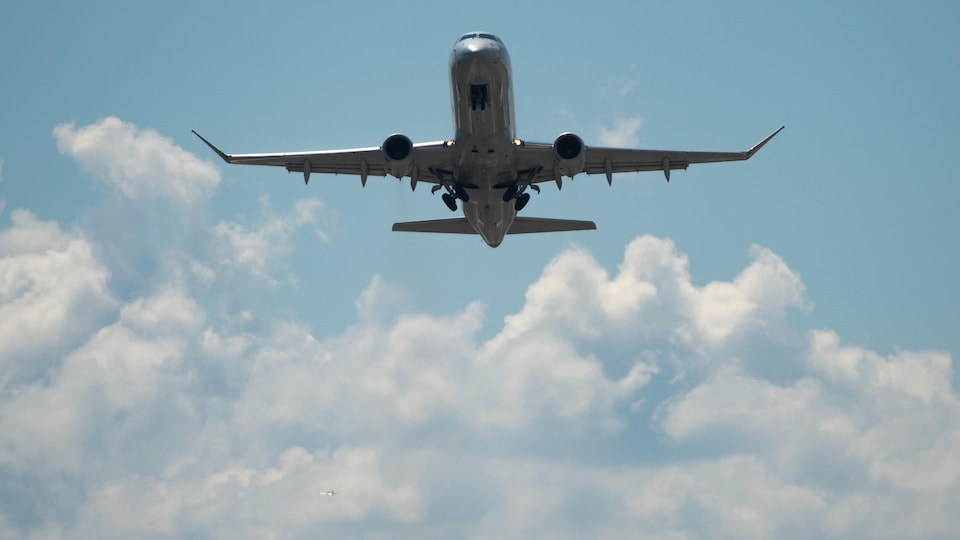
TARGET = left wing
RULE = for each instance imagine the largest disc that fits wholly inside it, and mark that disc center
(429, 161)
(609, 161)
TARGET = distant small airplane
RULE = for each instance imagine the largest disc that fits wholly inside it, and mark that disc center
(329, 493)
(485, 165)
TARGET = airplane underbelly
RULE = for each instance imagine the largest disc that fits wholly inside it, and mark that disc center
(486, 167)
(482, 98)
(491, 218)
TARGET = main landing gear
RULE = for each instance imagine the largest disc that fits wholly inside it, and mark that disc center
(450, 201)
(521, 201)
(454, 192)
(517, 193)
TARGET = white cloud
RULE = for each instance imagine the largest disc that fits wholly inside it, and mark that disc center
(154, 228)
(283, 499)
(879, 443)
(100, 399)
(731, 497)
(614, 403)
(652, 295)
(262, 248)
(758, 297)
(27, 234)
(399, 414)
(622, 85)
(155, 215)
(924, 375)
(140, 164)
(52, 292)
(623, 132)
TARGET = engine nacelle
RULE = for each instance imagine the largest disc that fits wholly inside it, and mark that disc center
(398, 152)
(569, 151)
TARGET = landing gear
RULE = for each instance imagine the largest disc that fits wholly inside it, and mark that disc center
(517, 192)
(479, 97)
(522, 201)
(450, 201)
(461, 193)
(454, 189)
(511, 192)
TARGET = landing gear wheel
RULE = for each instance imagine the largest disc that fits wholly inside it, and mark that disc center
(522, 201)
(510, 193)
(450, 201)
(461, 193)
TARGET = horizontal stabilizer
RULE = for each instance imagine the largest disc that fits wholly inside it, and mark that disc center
(454, 226)
(521, 225)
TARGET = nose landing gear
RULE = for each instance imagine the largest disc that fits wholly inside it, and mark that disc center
(479, 97)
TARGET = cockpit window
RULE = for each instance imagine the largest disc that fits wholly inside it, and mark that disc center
(472, 35)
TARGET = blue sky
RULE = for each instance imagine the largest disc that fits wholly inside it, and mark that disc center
(754, 349)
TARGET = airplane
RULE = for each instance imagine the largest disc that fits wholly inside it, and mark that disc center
(485, 167)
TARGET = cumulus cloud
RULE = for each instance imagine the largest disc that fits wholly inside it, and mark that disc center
(140, 164)
(155, 211)
(155, 225)
(398, 414)
(283, 498)
(261, 248)
(615, 402)
(52, 291)
(652, 295)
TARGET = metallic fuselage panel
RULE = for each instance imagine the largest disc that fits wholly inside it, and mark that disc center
(484, 132)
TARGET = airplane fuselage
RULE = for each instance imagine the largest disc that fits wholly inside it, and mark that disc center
(484, 132)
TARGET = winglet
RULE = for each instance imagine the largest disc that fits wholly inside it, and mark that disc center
(220, 153)
(755, 147)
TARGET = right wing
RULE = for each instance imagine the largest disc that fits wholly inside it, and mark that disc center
(609, 161)
(429, 161)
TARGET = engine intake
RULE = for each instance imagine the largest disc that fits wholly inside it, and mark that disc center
(397, 150)
(569, 150)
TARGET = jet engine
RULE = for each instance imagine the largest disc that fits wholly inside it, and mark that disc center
(569, 150)
(398, 152)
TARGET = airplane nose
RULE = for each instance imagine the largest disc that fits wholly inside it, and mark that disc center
(468, 52)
